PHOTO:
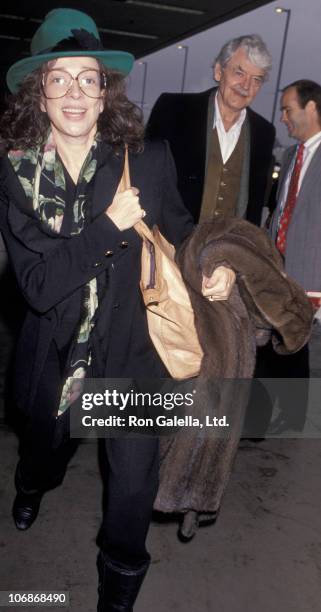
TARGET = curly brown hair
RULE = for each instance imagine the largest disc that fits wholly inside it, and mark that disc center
(24, 126)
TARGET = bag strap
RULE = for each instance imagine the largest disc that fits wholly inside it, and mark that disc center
(141, 228)
(150, 286)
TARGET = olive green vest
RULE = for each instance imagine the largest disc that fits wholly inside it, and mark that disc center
(222, 181)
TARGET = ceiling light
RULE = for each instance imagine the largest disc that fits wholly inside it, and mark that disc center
(165, 7)
(127, 33)
(6, 37)
(19, 18)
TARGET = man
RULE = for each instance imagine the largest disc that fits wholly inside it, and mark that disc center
(296, 229)
(222, 149)
(301, 243)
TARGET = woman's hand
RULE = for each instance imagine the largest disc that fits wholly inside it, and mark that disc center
(219, 285)
(125, 209)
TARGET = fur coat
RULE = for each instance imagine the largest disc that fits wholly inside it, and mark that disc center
(196, 464)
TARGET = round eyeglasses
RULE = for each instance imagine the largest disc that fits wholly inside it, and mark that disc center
(57, 83)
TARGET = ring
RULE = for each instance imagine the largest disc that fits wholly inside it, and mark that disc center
(143, 213)
(211, 298)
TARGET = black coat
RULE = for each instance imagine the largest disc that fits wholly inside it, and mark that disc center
(182, 119)
(51, 269)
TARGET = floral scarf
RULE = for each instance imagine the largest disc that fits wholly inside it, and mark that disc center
(42, 177)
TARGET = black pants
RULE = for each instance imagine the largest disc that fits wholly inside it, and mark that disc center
(132, 483)
(131, 479)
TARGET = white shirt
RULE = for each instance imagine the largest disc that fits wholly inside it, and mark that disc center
(310, 147)
(227, 140)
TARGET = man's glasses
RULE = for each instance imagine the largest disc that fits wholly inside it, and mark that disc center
(57, 83)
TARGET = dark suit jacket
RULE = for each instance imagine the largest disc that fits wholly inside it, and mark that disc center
(183, 120)
(51, 269)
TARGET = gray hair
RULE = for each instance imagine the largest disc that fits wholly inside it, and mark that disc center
(253, 46)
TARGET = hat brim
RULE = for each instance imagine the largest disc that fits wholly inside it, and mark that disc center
(115, 60)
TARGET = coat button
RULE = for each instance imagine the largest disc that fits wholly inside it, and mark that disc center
(116, 305)
(109, 253)
(97, 264)
(123, 244)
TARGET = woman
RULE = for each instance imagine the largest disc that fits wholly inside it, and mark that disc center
(76, 256)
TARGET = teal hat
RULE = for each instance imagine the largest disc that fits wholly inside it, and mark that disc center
(66, 33)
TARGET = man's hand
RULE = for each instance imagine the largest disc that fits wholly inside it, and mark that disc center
(125, 209)
(219, 285)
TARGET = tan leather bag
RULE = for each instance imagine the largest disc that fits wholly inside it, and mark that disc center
(170, 315)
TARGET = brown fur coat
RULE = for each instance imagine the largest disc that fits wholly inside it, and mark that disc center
(195, 465)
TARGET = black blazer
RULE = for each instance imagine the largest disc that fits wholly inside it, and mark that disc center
(51, 269)
(182, 120)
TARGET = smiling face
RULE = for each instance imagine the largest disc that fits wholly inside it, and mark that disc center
(301, 123)
(74, 116)
(239, 81)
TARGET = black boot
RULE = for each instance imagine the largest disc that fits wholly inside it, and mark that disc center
(118, 587)
(26, 505)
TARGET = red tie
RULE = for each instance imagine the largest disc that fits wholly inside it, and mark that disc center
(290, 201)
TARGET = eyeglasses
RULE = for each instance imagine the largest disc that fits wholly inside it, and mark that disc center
(57, 83)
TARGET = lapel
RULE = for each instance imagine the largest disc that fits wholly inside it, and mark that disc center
(197, 113)
(313, 169)
(286, 163)
(210, 120)
(308, 182)
(107, 178)
(243, 198)
(13, 187)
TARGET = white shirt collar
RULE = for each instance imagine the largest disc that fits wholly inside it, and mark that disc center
(218, 118)
(313, 141)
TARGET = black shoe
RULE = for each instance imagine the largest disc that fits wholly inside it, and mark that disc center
(26, 504)
(25, 509)
(118, 586)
